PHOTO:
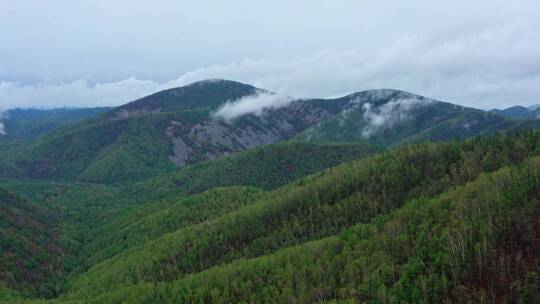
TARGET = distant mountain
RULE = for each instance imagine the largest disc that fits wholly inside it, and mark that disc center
(23, 124)
(519, 112)
(177, 127)
(390, 117)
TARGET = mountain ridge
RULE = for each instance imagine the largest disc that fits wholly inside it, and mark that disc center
(175, 128)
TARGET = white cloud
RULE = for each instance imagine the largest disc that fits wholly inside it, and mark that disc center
(254, 104)
(389, 114)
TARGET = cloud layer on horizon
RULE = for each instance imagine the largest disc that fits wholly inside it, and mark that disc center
(487, 59)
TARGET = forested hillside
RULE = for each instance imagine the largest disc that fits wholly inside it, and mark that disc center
(265, 167)
(313, 208)
(452, 222)
(472, 244)
(93, 216)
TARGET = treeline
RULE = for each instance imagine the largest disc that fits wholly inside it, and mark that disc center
(310, 209)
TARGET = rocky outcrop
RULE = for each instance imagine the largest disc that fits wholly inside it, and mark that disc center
(214, 138)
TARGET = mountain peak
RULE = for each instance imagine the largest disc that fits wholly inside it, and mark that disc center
(209, 93)
(214, 81)
(518, 112)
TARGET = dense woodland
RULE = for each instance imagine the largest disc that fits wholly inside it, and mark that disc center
(454, 222)
(472, 244)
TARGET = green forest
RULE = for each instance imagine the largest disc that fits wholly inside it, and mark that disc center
(423, 223)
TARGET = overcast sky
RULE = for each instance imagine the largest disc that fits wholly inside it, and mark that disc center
(481, 53)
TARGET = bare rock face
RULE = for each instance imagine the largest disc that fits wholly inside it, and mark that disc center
(212, 139)
(180, 149)
(215, 138)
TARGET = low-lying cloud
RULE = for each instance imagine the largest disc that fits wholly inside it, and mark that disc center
(253, 104)
(2, 126)
(389, 114)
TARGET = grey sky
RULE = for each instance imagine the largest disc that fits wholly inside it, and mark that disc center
(481, 53)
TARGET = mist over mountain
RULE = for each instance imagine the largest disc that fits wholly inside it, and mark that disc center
(214, 118)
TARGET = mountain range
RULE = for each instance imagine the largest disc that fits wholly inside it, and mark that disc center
(181, 126)
(221, 192)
